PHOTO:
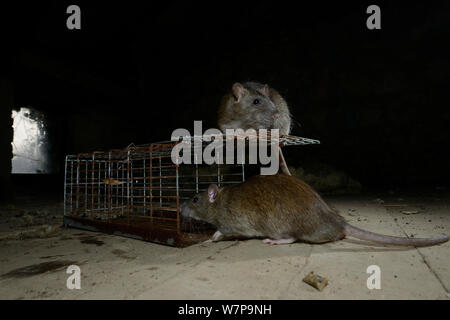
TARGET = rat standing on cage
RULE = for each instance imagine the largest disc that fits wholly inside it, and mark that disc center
(256, 106)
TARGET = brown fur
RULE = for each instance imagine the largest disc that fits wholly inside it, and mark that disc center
(258, 208)
(280, 207)
(237, 111)
(234, 114)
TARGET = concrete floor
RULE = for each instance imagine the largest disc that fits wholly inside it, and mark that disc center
(120, 268)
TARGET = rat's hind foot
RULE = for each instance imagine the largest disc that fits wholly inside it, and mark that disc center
(279, 241)
(217, 236)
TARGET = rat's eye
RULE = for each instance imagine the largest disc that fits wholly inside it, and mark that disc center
(256, 102)
(195, 200)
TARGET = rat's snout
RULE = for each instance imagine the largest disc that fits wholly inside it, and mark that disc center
(275, 116)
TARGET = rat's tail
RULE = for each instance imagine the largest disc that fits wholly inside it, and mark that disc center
(399, 241)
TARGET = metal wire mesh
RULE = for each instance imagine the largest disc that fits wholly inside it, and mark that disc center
(137, 191)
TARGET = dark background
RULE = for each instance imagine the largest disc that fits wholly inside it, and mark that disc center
(377, 99)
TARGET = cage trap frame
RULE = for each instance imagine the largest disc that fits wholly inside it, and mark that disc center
(137, 191)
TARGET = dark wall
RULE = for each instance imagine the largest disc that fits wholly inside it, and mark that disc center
(6, 135)
(377, 100)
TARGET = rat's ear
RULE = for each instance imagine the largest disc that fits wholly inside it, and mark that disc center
(238, 91)
(213, 191)
(266, 90)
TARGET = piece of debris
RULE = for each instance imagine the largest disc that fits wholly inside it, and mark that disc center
(409, 212)
(378, 200)
(112, 182)
(315, 281)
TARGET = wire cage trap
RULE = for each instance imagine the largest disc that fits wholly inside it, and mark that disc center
(137, 192)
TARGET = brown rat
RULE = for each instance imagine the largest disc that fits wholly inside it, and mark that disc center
(282, 209)
(253, 105)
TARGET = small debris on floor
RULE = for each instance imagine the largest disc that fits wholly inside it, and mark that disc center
(315, 281)
(409, 212)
